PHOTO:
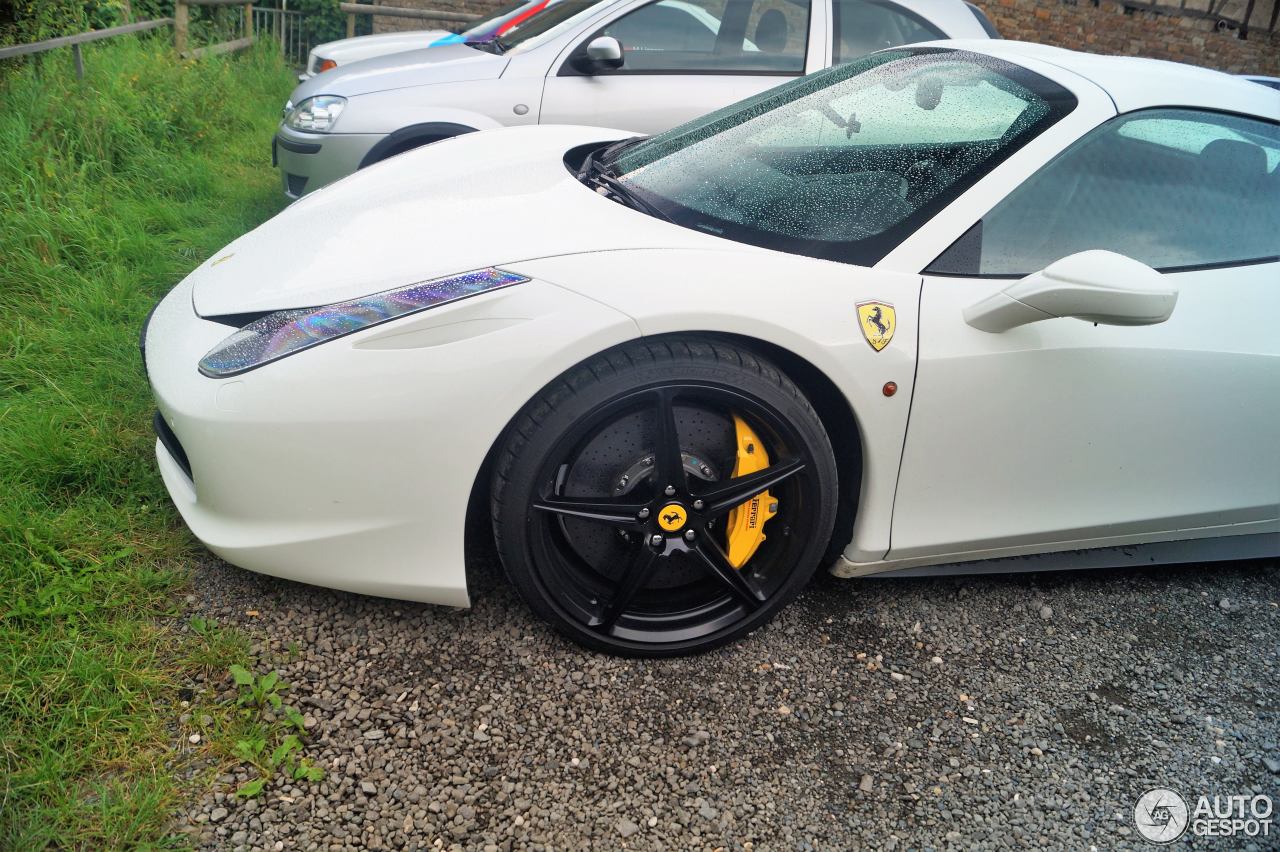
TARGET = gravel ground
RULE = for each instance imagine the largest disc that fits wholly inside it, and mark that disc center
(982, 712)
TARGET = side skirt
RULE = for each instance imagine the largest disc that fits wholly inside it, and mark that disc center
(1217, 549)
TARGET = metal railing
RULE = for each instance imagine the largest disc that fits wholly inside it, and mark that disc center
(286, 27)
(353, 9)
(1239, 15)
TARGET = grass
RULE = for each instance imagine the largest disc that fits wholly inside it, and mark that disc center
(111, 190)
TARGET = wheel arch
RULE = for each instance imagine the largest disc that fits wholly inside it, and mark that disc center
(832, 406)
(413, 136)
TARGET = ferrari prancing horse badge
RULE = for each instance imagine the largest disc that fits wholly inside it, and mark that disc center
(878, 322)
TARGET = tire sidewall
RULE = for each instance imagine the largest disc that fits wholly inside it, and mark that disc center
(566, 404)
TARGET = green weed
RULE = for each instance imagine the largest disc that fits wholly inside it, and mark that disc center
(111, 190)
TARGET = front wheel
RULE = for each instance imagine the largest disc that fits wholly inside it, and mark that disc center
(664, 498)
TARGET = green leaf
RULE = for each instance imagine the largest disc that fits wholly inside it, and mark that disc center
(249, 750)
(315, 773)
(250, 789)
(242, 675)
(290, 745)
(269, 681)
(293, 717)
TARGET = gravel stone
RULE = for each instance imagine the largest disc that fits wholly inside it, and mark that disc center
(490, 731)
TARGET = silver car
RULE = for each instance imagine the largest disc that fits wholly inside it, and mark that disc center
(642, 65)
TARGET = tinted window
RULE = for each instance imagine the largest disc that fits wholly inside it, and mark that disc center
(864, 26)
(1171, 188)
(764, 36)
(845, 163)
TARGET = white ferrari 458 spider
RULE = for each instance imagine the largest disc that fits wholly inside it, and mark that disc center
(964, 306)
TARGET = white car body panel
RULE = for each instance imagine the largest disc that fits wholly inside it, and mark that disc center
(286, 483)
(514, 174)
(313, 467)
(1038, 404)
(457, 84)
(344, 51)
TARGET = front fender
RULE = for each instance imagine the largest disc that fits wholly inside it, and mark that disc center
(805, 306)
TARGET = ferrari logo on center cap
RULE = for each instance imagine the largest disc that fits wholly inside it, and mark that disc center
(672, 517)
(878, 321)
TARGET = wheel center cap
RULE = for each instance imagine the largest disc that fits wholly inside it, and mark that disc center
(672, 517)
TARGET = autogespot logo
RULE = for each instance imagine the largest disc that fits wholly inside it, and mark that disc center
(1161, 815)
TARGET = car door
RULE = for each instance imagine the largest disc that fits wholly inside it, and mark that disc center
(1064, 434)
(681, 59)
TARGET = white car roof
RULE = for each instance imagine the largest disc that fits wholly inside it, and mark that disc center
(1137, 83)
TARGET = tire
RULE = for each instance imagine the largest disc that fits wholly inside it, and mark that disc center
(618, 540)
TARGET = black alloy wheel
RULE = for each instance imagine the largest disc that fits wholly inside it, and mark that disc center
(612, 494)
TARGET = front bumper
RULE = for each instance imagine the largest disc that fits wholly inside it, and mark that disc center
(351, 465)
(308, 161)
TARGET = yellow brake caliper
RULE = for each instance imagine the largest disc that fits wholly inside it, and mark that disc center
(746, 522)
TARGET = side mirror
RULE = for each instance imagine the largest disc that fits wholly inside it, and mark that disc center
(605, 52)
(1094, 286)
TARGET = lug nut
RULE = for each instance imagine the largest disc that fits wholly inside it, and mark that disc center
(669, 490)
(690, 535)
(698, 504)
(656, 541)
(642, 514)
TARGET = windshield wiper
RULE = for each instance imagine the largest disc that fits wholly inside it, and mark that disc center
(595, 173)
(610, 155)
(488, 45)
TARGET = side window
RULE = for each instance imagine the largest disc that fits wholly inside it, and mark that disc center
(864, 26)
(1172, 188)
(713, 36)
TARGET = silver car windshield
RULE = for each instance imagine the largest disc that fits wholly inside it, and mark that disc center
(548, 23)
(846, 163)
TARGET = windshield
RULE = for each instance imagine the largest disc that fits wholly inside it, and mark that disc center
(507, 18)
(549, 21)
(846, 163)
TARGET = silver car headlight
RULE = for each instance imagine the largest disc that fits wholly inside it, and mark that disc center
(282, 333)
(316, 114)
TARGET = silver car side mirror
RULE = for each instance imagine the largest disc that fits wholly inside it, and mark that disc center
(1095, 286)
(605, 51)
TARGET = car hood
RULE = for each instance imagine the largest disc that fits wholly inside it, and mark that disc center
(347, 50)
(447, 63)
(483, 199)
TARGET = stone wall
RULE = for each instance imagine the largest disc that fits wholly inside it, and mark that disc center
(478, 7)
(1111, 27)
(1100, 26)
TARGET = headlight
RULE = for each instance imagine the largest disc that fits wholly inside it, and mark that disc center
(316, 115)
(285, 332)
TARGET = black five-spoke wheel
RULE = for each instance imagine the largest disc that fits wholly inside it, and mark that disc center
(615, 497)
